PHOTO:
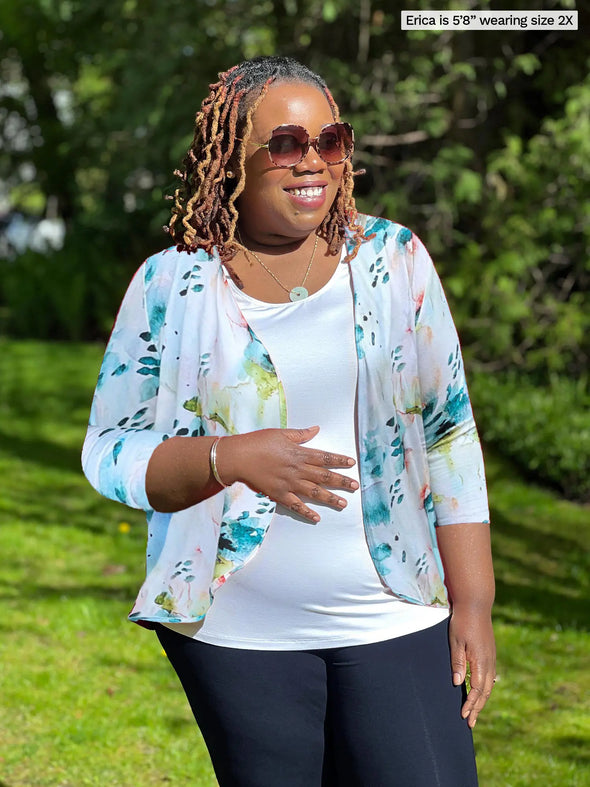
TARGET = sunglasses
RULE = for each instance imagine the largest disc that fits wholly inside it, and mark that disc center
(288, 145)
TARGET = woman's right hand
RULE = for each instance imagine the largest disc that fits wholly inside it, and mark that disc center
(276, 463)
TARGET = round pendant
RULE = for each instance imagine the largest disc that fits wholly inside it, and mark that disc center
(298, 293)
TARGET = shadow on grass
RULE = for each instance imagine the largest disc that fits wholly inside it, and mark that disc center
(538, 576)
(33, 592)
(42, 452)
(573, 747)
(542, 608)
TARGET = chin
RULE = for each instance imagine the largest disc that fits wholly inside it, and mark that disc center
(308, 221)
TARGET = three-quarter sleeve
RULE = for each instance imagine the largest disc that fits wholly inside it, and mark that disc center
(455, 461)
(120, 438)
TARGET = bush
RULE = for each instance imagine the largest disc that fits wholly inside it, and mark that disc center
(518, 282)
(70, 294)
(545, 430)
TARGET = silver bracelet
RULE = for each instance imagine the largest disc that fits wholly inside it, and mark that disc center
(213, 462)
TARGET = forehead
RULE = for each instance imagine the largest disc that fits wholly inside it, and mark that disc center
(293, 103)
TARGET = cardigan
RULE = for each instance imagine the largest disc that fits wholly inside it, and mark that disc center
(182, 360)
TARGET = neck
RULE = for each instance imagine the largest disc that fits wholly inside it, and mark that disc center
(275, 244)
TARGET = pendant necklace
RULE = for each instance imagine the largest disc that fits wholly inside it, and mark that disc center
(295, 293)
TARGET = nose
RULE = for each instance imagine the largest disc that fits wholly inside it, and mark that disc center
(311, 162)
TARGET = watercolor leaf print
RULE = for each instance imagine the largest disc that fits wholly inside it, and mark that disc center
(183, 569)
(397, 365)
(422, 565)
(455, 362)
(397, 446)
(204, 367)
(149, 366)
(380, 553)
(397, 495)
(192, 279)
(193, 406)
(117, 450)
(239, 536)
(378, 270)
(166, 601)
(404, 236)
(379, 227)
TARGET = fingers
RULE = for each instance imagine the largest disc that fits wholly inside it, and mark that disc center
(297, 506)
(292, 474)
(327, 459)
(318, 492)
(327, 478)
(459, 664)
(471, 638)
(320, 481)
(301, 435)
(479, 693)
(315, 456)
(481, 682)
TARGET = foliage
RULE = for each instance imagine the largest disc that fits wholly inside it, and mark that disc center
(521, 292)
(69, 294)
(478, 141)
(545, 429)
(95, 701)
(100, 97)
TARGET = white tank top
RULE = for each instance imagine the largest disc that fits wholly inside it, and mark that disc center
(311, 585)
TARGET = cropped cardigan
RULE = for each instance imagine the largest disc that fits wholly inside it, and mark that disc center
(182, 360)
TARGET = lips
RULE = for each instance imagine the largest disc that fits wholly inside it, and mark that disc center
(308, 195)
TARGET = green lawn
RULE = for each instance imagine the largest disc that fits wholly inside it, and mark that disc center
(89, 699)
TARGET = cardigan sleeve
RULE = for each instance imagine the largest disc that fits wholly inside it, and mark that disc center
(120, 438)
(455, 460)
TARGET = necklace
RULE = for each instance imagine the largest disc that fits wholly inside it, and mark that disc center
(295, 293)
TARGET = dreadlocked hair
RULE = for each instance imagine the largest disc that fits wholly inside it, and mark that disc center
(204, 214)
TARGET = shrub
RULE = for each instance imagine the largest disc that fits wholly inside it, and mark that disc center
(545, 430)
(70, 294)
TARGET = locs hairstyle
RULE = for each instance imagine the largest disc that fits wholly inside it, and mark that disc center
(204, 213)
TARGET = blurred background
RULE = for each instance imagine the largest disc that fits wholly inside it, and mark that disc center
(478, 141)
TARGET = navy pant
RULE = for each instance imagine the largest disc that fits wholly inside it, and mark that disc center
(374, 715)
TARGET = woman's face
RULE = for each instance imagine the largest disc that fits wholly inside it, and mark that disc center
(271, 208)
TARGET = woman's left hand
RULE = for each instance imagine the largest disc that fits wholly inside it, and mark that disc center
(466, 553)
(472, 643)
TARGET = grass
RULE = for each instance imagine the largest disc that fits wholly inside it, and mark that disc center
(89, 699)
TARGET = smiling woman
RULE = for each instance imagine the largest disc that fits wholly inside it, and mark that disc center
(281, 206)
(283, 394)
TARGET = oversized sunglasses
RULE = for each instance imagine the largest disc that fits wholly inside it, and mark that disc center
(288, 145)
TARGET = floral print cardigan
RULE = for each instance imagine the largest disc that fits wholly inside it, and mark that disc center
(182, 360)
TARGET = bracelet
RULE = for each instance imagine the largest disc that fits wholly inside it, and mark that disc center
(213, 462)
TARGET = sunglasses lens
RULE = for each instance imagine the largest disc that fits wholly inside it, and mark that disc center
(335, 143)
(287, 145)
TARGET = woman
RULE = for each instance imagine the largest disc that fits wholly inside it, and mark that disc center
(283, 393)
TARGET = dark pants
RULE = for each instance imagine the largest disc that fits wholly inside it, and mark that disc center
(365, 716)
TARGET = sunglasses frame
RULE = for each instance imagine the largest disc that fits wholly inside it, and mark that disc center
(311, 142)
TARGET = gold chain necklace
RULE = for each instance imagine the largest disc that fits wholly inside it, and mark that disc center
(295, 293)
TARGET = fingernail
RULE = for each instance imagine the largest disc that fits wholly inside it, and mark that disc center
(341, 503)
(350, 462)
(354, 485)
(456, 679)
